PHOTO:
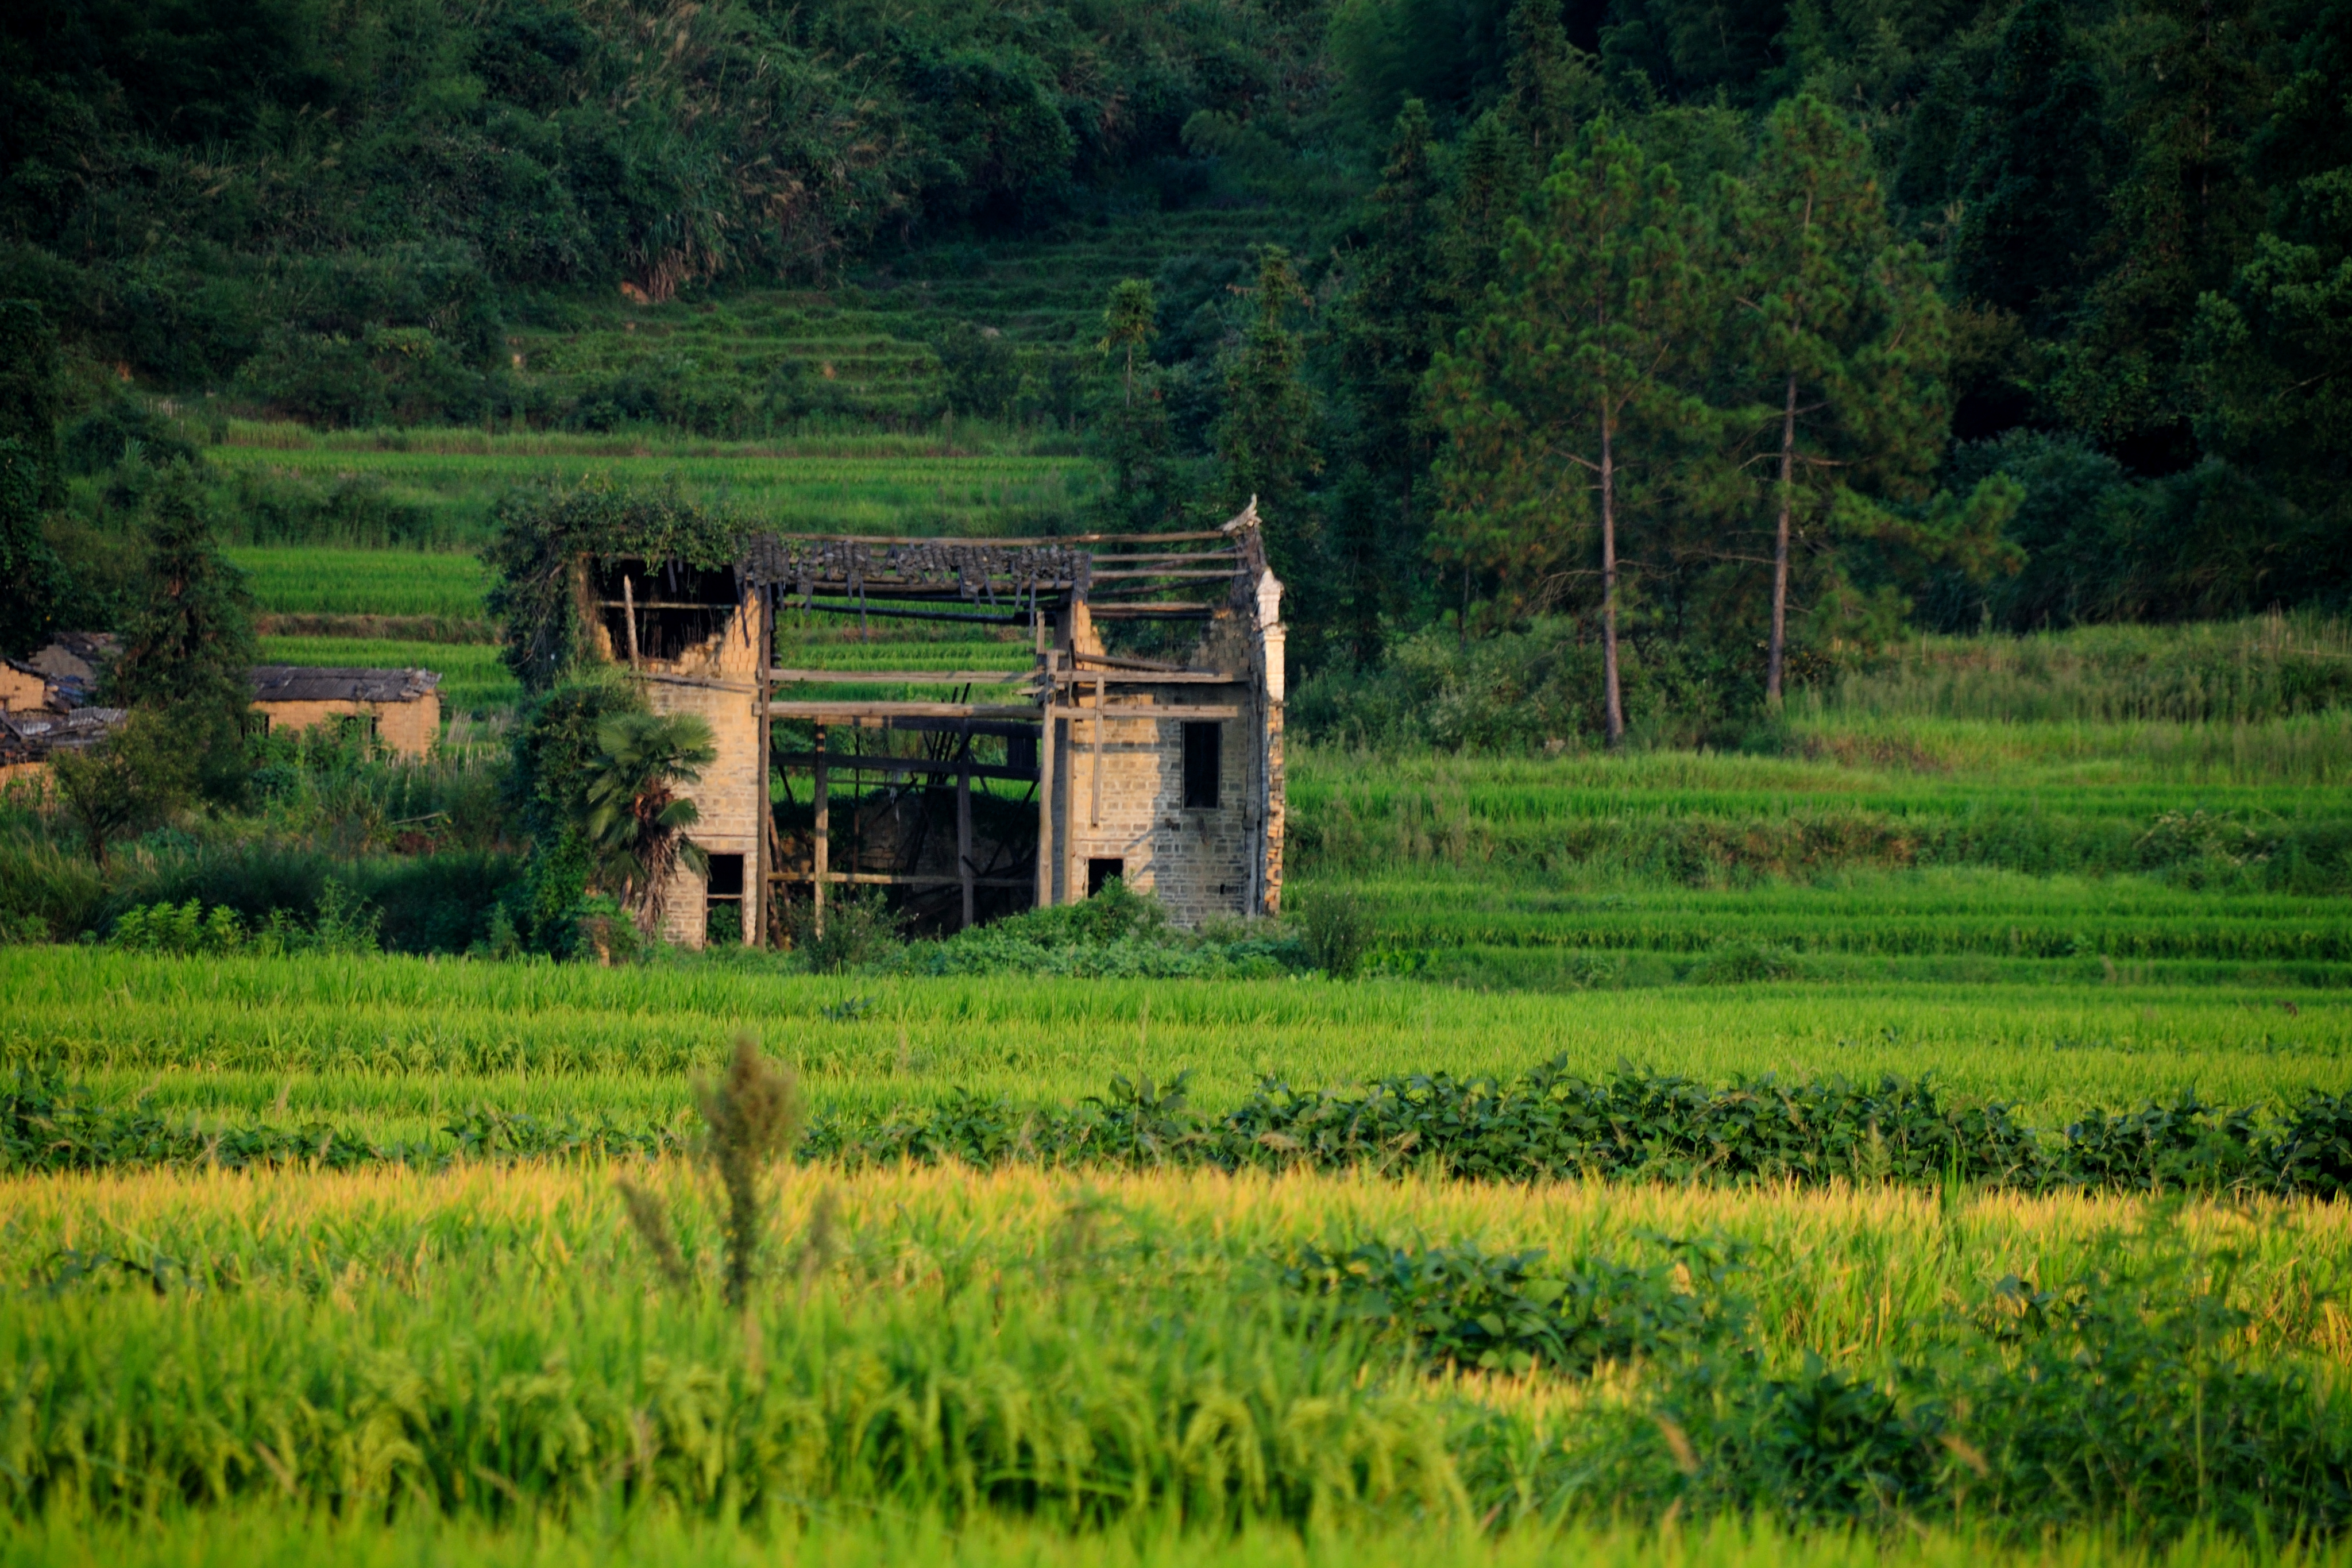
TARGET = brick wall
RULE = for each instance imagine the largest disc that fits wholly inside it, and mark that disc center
(20, 692)
(718, 680)
(409, 728)
(1196, 861)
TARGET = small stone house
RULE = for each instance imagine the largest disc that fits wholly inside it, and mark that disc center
(1164, 771)
(404, 705)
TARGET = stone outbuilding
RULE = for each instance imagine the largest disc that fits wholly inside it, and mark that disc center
(969, 793)
(402, 705)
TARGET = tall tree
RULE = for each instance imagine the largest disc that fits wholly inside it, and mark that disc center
(188, 647)
(2183, 213)
(2034, 153)
(1389, 324)
(32, 480)
(1265, 441)
(1134, 434)
(1839, 328)
(1574, 381)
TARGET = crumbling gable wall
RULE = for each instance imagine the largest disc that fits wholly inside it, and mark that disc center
(716, 677)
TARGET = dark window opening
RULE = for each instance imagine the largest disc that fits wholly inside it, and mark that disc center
(1021, 752)
(1101, 872)
(722, 902)
(1203, 760)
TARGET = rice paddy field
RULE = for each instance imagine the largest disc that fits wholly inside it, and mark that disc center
(933, 484)
(470, 1299)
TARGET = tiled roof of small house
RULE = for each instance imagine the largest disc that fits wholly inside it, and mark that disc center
(313, 683)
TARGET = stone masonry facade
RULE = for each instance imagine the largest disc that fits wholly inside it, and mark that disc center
(717, 679)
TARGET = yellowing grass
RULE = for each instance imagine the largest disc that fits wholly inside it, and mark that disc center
(1838, 1271)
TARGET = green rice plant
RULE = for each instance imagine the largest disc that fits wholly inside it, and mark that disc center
(394, 1037)
(312, 580)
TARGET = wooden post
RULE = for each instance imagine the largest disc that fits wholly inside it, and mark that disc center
(1094, 812)
(1045, 795)
(758, 931)
(963, 828)
(824, 838)
(629, 607)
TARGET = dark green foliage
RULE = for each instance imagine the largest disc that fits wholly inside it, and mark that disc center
(1339, 932)
(1266, 441)
(28, 396)
(859, 928)
(2033, 170)
(979, 368)
(1544, 1125)
(1512, 1313)
(49, 1125)
(121, 431)
(32, 478)
(422, 903)
(634, 819)
(135, 779)
(556, 747)
(188, 648)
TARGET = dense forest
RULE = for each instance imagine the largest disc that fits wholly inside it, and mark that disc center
(1672, 351)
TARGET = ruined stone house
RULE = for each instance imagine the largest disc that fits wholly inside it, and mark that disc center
(401, 706)
(975, 793)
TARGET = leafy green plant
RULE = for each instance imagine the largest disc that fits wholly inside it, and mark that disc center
(859, 929)
(636, 819)
(1339, 932)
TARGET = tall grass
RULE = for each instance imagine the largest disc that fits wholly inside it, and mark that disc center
(493, 1345)
(2267, 667)
(323, 580)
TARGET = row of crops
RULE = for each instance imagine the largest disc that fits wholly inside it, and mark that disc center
(398, 1042)
(556, 1344)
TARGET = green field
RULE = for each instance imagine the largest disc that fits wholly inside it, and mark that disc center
(454, 478)
(2122, 912)
(321, 580)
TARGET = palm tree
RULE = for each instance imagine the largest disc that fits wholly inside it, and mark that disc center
(636, 821)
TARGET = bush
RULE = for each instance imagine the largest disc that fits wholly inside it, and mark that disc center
(1339, 932)
(859, 930)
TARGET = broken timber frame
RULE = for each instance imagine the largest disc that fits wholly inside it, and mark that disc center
(1061, 586)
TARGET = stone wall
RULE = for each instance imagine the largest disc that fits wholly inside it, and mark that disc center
(719, 681)
(1196, 861)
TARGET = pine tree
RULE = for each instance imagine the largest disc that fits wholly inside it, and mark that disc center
(32, 480)
(1573, 382)
(1826, 299)
(1389, 324)
(188, 647)
(2183, 214)
(1133, 432)
(1265, 441)
(2036, 160)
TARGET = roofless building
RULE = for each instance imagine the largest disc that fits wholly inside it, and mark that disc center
(1166, 771)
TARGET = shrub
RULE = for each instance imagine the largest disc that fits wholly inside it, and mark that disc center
(859, 929)
(1339, 932)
